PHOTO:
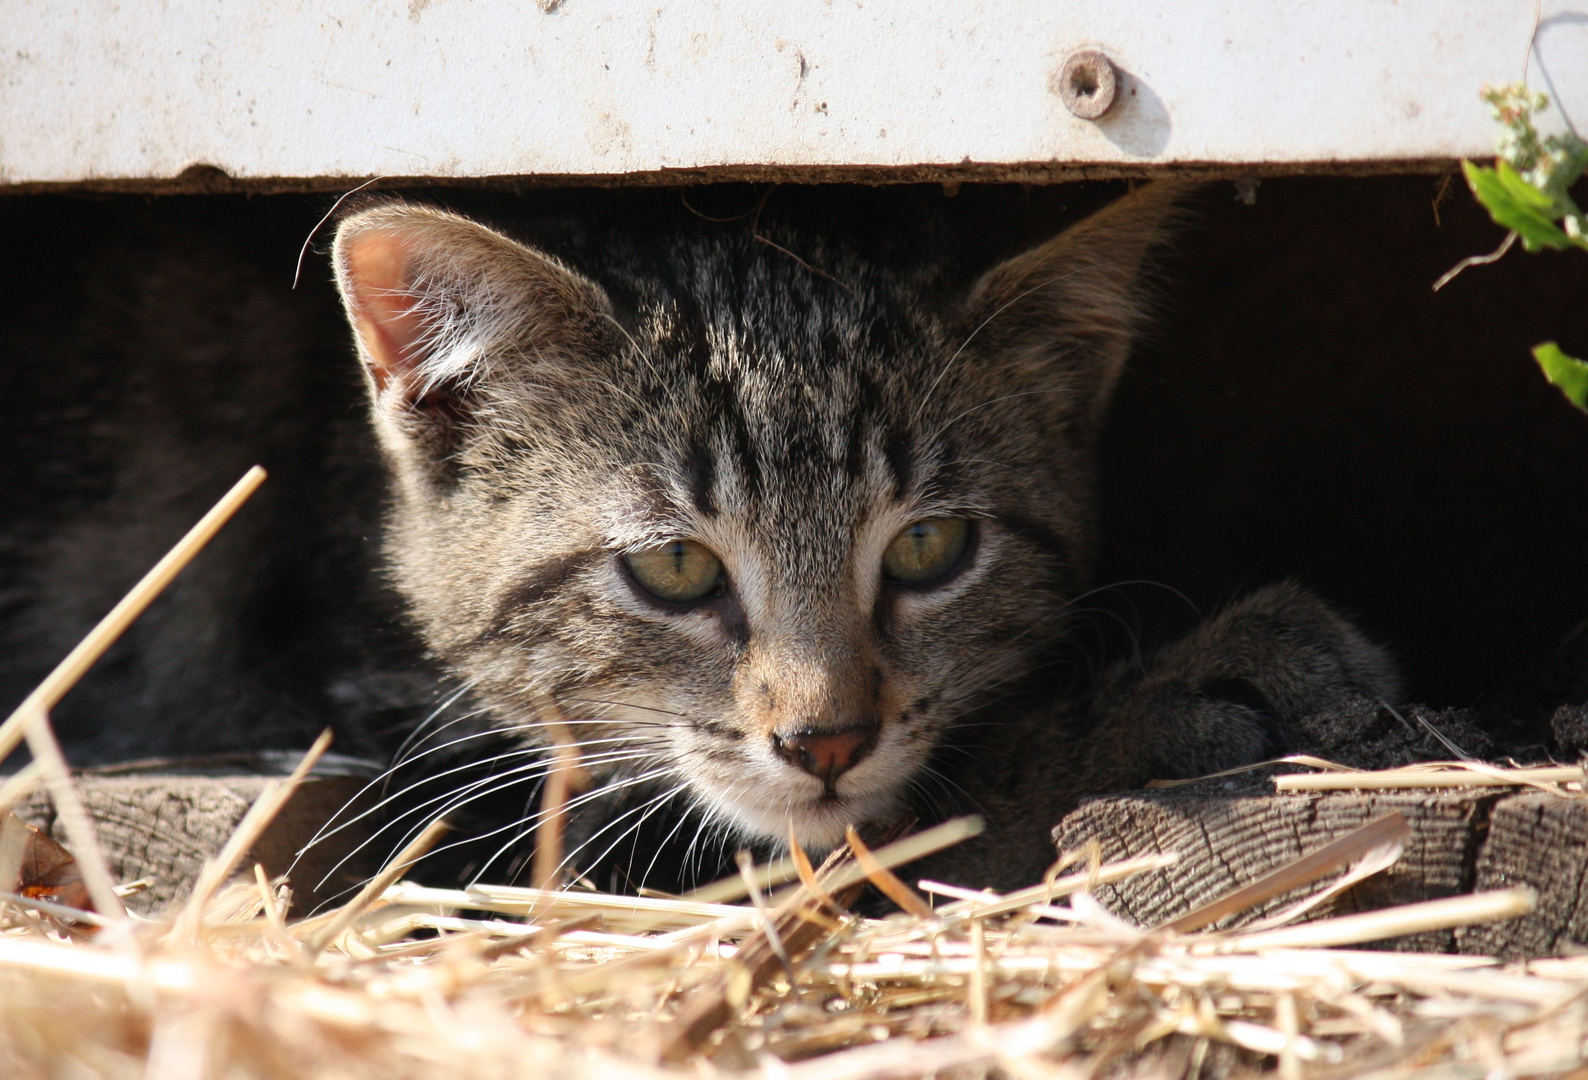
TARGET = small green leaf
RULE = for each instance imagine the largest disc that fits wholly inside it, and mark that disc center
(1519, 189)
(1569, 374)
(1514, 204)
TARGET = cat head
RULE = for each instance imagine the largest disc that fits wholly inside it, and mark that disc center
(763, 533)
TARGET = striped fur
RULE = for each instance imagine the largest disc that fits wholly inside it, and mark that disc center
(541, 420)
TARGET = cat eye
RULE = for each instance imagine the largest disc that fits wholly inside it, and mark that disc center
(926, 550)
(680, 570)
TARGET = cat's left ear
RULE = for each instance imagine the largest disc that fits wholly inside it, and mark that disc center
(439, 304)
(1065, 314)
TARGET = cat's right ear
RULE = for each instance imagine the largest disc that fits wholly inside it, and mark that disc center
(441, 304)
(1066, 313)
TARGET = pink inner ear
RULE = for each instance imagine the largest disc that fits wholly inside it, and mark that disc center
(385, 314)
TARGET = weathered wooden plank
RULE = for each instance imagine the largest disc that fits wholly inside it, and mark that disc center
(164, 827)
(1228, 842)
(1541, 841)
(1462, 841)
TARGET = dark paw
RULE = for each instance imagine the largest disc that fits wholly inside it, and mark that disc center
(1234, 691)
(1229, 722)
(1241, 726)
(1177, 730)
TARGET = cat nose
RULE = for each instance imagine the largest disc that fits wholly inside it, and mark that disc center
(826, 754)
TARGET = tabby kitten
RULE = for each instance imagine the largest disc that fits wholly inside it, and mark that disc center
(788, 548)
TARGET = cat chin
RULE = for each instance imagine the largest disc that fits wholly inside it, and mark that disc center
(819, 823)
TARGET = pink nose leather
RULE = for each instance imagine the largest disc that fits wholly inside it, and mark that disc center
(826, 755)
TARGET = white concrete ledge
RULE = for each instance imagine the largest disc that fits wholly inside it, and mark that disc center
(108, 90)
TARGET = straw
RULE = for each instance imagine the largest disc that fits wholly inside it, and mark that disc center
(78, 825)
(1433, 775)
(1391, 829)
(560, 783)
(30, 719)
(266, 806)
(402, 983)
(55, 685)
(344, 918)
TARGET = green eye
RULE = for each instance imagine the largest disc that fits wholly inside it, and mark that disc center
(926, 550)
(679, 571)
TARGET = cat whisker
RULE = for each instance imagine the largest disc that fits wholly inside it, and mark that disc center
(461, 797)
(708, 813)
(535, 771)
(328, 830)
(452, 808)
(621, 705)
(720, 820)
(994, 401)
(933, 806)
(634, 830)
(414, 753)
(527, 825)
(1150, 584)
(450, 701)
(944, 778)
(662, 846)
(452, 744)
(384, 778)
(1068, 611)
(645, 809)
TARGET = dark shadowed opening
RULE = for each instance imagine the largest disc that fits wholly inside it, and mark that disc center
(1307, 407)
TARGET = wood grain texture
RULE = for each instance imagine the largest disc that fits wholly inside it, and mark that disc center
(164, 827)
(1540, 841)
(1227, 842)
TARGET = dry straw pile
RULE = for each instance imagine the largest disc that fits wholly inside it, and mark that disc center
(787, 982)
(408, 981)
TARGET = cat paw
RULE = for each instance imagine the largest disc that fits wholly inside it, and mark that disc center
(1233, 692)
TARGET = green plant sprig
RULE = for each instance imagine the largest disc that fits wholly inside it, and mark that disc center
(1527, 193)
(1527, 190)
